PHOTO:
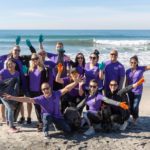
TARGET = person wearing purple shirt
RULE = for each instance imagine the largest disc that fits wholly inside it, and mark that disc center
(79, 63)
(114, 70)
(92, 70)
(93, 101)
(37, 75)
(9, 72)
(60, 57)
(133, 74)
(73, 97)
(49, 103)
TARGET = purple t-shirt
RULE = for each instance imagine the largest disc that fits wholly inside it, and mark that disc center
(113, 71)
(94, 102)
(2, 60)
(92, 74)
(35, 80)
(5, 74)
(50, 105)
(134, 76)
(75, 90)
(80, 70)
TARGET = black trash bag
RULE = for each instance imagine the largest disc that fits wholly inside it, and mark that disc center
(72, 117)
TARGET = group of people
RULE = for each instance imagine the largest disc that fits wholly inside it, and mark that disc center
(95, 93)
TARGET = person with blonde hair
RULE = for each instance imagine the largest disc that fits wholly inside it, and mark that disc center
(37, 75)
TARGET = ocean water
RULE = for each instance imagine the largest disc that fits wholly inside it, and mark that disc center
(127, 42)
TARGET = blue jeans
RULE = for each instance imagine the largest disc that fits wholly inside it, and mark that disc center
(60, 123)
(134, 104)
(9, 111)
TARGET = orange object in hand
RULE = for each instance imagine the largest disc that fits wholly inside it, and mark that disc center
(60, 67)
(140, 81)
(123, 105)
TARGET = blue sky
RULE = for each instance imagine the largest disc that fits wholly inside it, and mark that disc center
(74, 14)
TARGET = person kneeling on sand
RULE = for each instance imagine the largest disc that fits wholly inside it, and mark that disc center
(119, 115)
(50, 105)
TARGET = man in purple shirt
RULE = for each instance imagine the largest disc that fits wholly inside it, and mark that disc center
(49, 102)
(114, 70)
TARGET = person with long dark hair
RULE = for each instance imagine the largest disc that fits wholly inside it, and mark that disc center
(93, 103)
(133, 74)
(92, 70)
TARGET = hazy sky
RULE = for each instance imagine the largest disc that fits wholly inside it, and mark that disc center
(74, 14)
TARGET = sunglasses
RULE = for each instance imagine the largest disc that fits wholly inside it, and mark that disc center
(79, 57)
(92, 86)
(92, 57)
(113, 54)
(36, 58)
(17, 50)
(46, 88)
(133, 62)
(113, 84)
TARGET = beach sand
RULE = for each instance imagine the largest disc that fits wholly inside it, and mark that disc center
(134, 138)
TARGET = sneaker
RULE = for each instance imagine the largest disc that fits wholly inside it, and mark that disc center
(28, 120)
(14, 130)
(124, 126)
(90, 131)
(21, 120)
(46, 136)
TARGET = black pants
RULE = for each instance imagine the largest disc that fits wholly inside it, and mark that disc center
(119, 115)
(37, 107)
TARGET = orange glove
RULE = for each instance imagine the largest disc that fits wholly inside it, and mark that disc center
(123, 105)
(60, 67)
(140, 81)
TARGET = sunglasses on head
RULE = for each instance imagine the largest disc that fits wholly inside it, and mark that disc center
(46, 88)
(36, 58)
(113, 84)
(92, 57)
(92, 86)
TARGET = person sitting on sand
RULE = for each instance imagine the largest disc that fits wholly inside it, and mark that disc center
(133, 74)
(50, 105)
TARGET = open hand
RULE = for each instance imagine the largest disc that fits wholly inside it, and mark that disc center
(123, 105)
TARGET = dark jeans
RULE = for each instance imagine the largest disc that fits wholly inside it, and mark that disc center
(134, 104)
(37, 107)
(60, 123)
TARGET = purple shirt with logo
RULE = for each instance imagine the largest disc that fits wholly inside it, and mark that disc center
(92, 74)
(113, 71)
(5, 74)
(50, 105)
(94, 102)
(134, 76)
(35, 80)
